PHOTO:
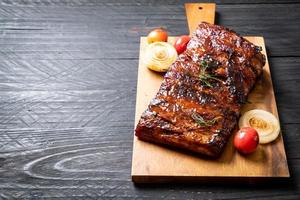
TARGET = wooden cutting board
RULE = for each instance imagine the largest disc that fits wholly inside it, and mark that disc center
(154, 163)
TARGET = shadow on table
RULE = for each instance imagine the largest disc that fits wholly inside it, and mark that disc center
(288, 184)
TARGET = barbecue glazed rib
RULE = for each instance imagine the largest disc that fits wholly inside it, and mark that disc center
(199, 101)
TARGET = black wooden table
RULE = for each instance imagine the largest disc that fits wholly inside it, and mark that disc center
(68, 72)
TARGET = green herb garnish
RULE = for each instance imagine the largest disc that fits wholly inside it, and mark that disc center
(202, 122)
(204, 76)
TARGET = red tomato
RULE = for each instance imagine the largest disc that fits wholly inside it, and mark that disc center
(181, 43)
(246, 140)
(157, 35)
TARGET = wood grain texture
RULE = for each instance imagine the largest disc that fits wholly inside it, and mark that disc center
(199, 12)
(56, 31)
(135, 2)
(60, 66)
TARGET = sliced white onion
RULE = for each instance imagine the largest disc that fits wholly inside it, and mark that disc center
(159, 56)
(265, 123)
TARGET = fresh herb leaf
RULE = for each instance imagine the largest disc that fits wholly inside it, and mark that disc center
(204, 64)
(205, 81)
(202, 122)
(204, 76)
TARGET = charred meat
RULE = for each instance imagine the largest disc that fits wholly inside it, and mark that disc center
(199, 101)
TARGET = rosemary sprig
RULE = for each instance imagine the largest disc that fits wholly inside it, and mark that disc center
(201, 122)
(204, 64)
(204, 76)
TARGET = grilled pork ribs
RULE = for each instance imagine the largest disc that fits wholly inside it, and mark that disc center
(199, 101)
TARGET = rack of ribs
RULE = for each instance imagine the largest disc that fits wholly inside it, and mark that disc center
(199, 101)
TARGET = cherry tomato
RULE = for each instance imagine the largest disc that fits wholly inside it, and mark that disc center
(246, 140)
(181, 43)
(157, 35)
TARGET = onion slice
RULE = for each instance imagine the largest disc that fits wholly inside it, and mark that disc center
(159, 56)
(265, 123)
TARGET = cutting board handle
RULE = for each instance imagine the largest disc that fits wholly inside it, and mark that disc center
(199, 12)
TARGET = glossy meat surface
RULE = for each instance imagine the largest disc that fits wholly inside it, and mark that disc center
(199, 101)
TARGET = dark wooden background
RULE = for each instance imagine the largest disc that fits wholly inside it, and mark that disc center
(68, 72)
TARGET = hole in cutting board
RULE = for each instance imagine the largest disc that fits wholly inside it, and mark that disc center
(200, 8)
